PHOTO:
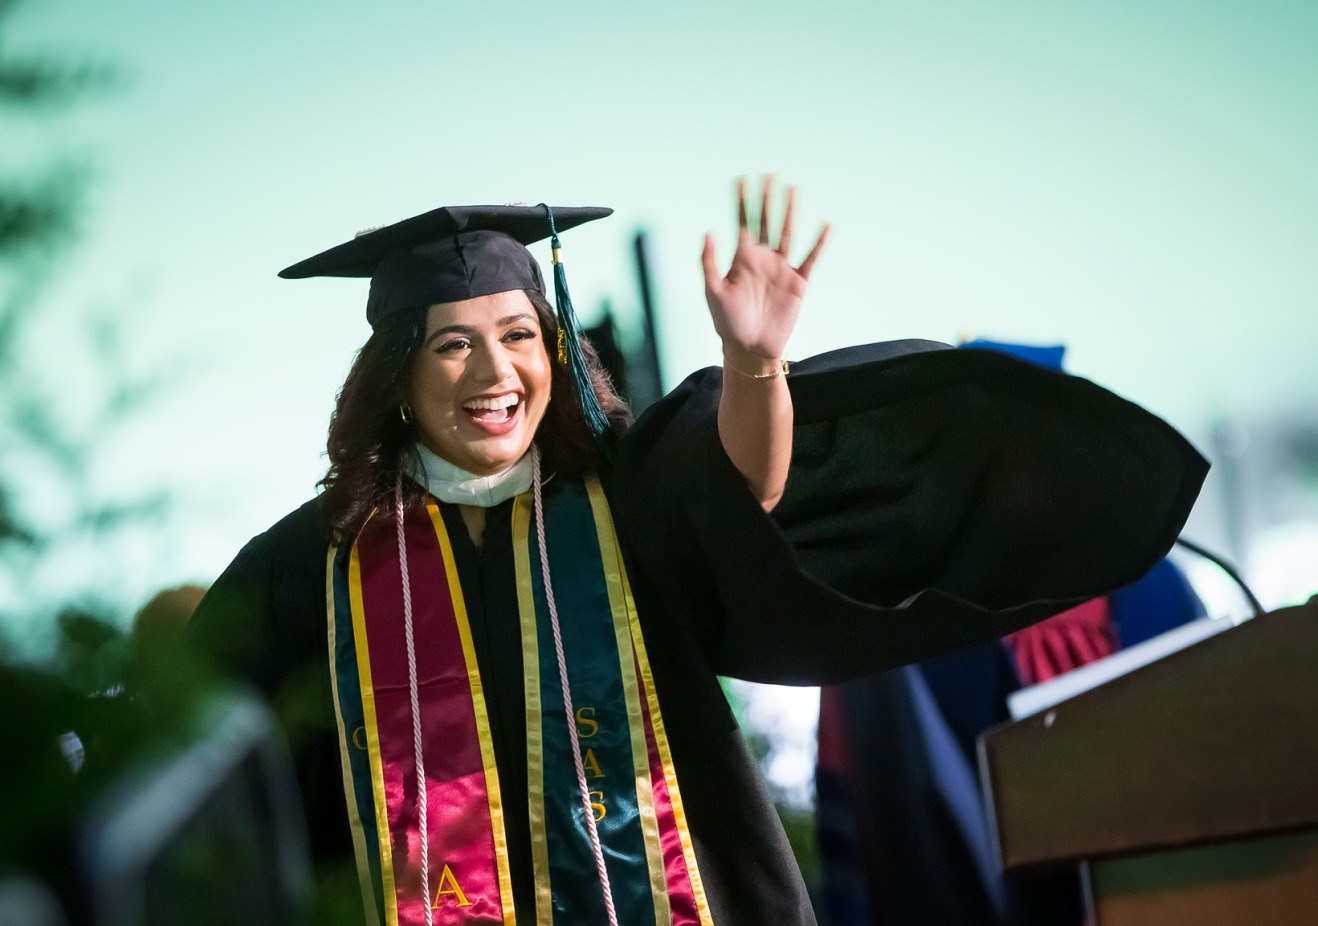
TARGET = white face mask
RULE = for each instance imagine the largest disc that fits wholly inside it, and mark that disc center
(456, 486)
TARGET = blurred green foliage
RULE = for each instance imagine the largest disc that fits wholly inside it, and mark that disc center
(798, 822)
(106, 704)
(50, 510)
(99, 703)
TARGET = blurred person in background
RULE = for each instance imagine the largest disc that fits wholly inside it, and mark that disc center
(901, 826)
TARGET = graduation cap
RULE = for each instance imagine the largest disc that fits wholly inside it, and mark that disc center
(461, 252)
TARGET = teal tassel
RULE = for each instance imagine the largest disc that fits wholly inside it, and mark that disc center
(570, 343)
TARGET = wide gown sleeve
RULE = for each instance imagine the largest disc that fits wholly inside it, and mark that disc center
(936, 498)
(263, 620)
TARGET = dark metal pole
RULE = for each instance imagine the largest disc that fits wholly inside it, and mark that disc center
(648, 355)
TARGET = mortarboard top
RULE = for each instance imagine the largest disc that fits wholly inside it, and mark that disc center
(445, 255)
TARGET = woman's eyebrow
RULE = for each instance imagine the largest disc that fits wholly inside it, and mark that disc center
(449, 329)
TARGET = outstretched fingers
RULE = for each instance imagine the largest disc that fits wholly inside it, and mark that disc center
(707, 259)
(745, 234)
(743, 224)
(808, 264)
(785, 239)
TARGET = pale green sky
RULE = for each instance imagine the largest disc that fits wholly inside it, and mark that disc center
(1134, 179)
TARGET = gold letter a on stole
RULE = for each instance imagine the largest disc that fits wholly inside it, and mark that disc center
(449, 885)
(592, 764)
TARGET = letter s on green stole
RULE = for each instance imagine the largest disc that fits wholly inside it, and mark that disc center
(630, 774)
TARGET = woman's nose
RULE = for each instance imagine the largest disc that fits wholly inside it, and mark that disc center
(495, 365)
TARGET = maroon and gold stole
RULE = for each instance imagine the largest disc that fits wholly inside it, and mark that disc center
(634, 793)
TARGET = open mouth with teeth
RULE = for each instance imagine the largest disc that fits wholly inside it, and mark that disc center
(494, 411)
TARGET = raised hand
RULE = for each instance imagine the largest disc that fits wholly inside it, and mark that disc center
(754, 307)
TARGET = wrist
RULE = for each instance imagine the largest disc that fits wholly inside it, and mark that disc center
(753, 365)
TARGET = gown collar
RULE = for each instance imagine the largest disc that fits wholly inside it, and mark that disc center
(449, 483)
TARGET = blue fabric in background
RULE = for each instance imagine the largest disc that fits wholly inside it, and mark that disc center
(1160, 601)
(1048, 356)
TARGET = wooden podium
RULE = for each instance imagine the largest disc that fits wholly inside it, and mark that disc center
(1189, 786)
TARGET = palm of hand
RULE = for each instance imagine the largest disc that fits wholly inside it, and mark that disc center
(755, 305)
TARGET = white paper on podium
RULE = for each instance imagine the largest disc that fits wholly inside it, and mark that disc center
(1032, 700)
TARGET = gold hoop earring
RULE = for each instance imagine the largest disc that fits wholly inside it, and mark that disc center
(405, 412)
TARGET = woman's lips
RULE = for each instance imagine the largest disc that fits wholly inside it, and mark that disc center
(494, 414)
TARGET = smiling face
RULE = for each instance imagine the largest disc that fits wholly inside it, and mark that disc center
(480, 384)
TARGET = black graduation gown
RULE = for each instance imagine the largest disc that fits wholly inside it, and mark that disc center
(937, 498)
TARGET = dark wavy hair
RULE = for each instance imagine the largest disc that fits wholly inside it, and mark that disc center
(368, 437)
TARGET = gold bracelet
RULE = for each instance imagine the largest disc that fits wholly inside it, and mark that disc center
(783, 370)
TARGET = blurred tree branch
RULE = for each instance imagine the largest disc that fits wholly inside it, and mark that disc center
(38, 215)
(30, 78)
(46, 451)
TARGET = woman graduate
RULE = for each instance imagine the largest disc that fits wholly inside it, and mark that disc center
(496, 635)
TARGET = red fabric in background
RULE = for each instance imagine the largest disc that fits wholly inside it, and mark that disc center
(1066, 641)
